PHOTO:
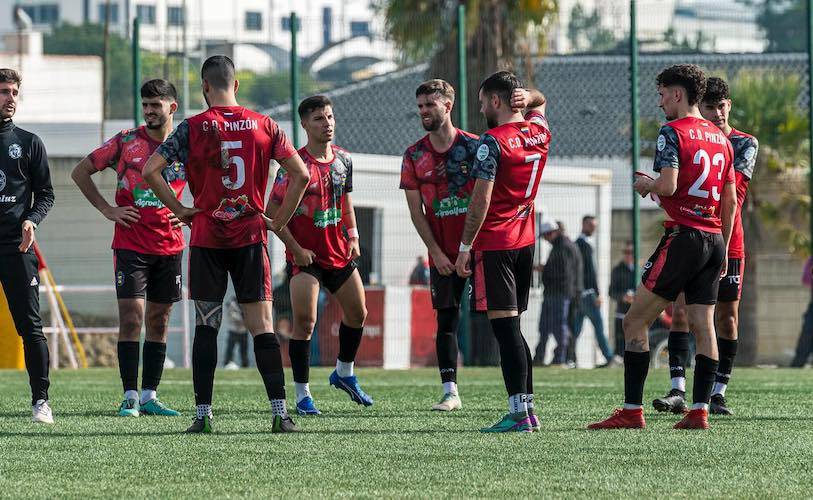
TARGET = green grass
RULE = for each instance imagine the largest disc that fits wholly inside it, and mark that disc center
(398, 448)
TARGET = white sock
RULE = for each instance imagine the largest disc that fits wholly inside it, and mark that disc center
(147, 395)
(204, 411)
(719, 388)
(700, 406)
(130, 394)
(530, 402)
(628, 406)
(450, 388)
(679, 383)
(278, 407)
(302, 391)
(518, 403)
(344, 369)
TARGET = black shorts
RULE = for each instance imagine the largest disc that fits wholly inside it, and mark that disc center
(446, 290)
(249, 267)
(502, 279)
(686, 260)
(139, 275)
(731, 284)
(19, 276)
(332, 279)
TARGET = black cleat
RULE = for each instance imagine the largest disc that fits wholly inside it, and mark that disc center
(284, 424)
(718, 405)
(200, 426)
(674, 401)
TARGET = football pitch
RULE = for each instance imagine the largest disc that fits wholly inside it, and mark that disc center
(398, 448)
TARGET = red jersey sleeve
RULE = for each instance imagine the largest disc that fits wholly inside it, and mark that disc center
(106, 155)
(409, 181)
(281, 147)
(729, 176)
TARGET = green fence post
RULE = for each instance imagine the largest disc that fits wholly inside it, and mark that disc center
(463, 74)
(810, 109)
(137, 73)
(636, 145)
(294, 80)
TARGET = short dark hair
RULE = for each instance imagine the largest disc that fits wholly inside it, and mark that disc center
(218, 71)
(159, 88)
(688, 76)
(436, 86)
(716, 90)
(587, 218)
(8, 75)
(312, 103)
(501, 83)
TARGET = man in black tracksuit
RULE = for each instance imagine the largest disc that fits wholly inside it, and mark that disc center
(26, 196)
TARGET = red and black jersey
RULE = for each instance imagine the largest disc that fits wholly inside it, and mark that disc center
(227, 152)
(317, 222)
(512, 156)
(745, 147)
(704, 159)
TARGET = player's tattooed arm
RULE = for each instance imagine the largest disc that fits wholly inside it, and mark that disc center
(298, 178)
(208, 313)
(478, 208)
(302, 256)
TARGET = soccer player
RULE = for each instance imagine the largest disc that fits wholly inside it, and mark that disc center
(226, 151)
(696, 190)
(147, 245)
(26, 196)
(321, 254)
(508, 165)
(715, 107)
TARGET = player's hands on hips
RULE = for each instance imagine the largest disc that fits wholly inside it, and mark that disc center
(642, 186)
(520, 99)
(175, 221)
(303, 257)
(353, 249)
(442, 263)
(186, 214)
(462, 264)
(28, 236)
(123, 216)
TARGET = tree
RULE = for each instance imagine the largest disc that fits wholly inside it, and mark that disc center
(585, 33)
(266, 90)
(784, 23)
(499, 32)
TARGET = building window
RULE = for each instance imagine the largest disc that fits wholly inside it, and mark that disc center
(41, 14)
(175, 16)
(254, 21)
(359, 28)
(286, 24)
(114, 13)
(146, 13)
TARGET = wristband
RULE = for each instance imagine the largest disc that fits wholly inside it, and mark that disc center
(464, 247)
(353, 232)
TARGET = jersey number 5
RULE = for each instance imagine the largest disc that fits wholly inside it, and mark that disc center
(239, 165)
(701, 159)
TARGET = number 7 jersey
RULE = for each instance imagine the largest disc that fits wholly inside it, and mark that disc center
(704, 157)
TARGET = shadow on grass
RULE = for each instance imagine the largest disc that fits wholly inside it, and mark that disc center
(216, 434)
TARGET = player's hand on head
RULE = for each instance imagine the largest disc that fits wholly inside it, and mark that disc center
(28, 236)
(520, 99)
(303, 257)
(462, 264)
(123, 216)
(442, 263)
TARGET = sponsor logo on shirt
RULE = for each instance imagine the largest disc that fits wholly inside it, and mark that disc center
(15, 151)
(232, 208)
(325, 218)
(450, 206)
(145, 197)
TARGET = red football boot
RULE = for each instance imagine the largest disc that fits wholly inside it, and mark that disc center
(695, 419)
(622, 419)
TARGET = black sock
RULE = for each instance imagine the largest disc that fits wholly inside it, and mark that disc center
(269, 364)
(636, 367)
(446, 344)
(529, 381)
(154, 353)
(728, 351)
(300, 353)
(704, 371)
(349, 342)
(678, 354)
(513, 360)
(37, 362)
(204, 362)
(128, 365)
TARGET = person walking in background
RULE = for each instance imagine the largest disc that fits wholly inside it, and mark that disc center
(238, 335)
(590, 300)
(561, 279)
(622, 290)
(420, 273)
(804, 346)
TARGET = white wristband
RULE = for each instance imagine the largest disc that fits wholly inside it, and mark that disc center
(464, 247)
(353, 232)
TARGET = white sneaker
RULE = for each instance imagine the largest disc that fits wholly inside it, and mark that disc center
(231, 365)
(449, 402)
(41, 413)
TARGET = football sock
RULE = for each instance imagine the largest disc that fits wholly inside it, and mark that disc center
(131, 394)
(678, 358)
(518, 403)
(204, 362)
(204, 411)
(148, 395)
(155, 353)
(278, 407)
(636, 367)
(303, 391)
(300, 353)
(349, 342)
(529, 380)
(513, 360)
(269, 364)
(530, 402)
(450, 388)
(344, 369)
(704, 371)
(35, 352)
(128, 365)
(728, 351)
(446, 344)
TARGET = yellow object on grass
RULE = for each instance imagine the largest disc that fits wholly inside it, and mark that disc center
(11, 345)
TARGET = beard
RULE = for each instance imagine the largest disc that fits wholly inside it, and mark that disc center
(491, 121)
(433, 125)
(156, 123)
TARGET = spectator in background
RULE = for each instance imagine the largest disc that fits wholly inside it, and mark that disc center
(622, 290)
(420, 273)
(238, 335)
(590, 301)
(805, 345)
(561, 279)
